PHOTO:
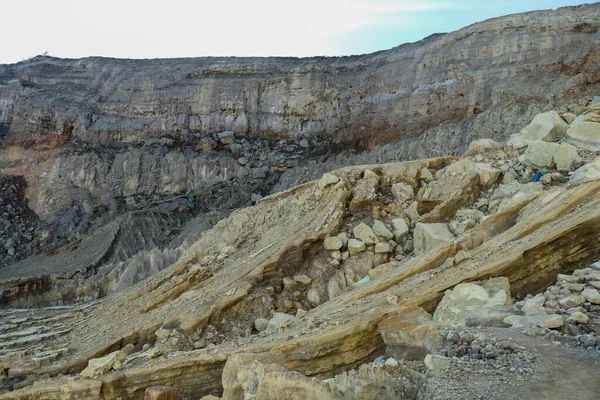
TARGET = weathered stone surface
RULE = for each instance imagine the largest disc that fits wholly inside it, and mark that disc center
(365, 191)
(540, 154)
(466, 298)
(440, 199)
(488, 175)
(568, 117)
(364, 233)
(381, 230)
(565, 157)
(436, 363)
(588, 172)
(280, 320)
(400, 229)
(402, 191)
(383, 248)
(578, 318)
(548, 126)
(591, 295)
(356, 246)
(571, 301)
(585, 134)
(533, 305)
(411, 334)
(327, 180)
(99, 366)
(429, 237)
(383, 269)
(332, 243)
(481, 146)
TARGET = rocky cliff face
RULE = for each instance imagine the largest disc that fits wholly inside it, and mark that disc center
(96, 138)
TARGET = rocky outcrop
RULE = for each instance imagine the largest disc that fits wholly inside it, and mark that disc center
(161, 117)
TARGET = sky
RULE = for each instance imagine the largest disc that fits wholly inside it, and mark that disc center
(194, 28)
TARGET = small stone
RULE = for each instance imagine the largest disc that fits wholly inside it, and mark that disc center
(255, 197)
(426, 175)
(303, 279)
(571, 301)
(551, 321)
(591, 295)
(400, 229)
(578, 318)
(280, 320)
(289, 284)
(380, 230)
(328, 179)
(365, 233)
(392, 300)
(332, 243)
(383, 248)
(157, 351)
(301, 313)
(402, 191)
(429, 237)
(390, 362)
(356, 246)
(435, 363)
(533, 305)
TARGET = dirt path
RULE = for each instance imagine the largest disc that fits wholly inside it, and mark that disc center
(561, 372)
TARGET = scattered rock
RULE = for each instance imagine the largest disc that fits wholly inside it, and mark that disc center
(328, 179)
(591, 295)
(280, 320)
(589, 172)
(99, 366)
(402, 191)
(428, 237)
(585, 134)
(400, 229)
(381, 230)
(533, 305)
(383, 248)
(365, 234)
(565, 157)
(540, 154)
(548, 126)
(578, 318)
(332, 243)
(356, 246)
(481, 146)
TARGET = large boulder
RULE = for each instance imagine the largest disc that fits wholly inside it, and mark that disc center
(589, 172)
(566, 156)
(540, 154)
(428, 237)
(465, 299)
(548, 126)
(585, 134)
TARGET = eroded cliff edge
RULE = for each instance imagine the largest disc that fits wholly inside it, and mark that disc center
(95, 139)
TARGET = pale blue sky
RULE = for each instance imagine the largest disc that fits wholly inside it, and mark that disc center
(192, 28)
